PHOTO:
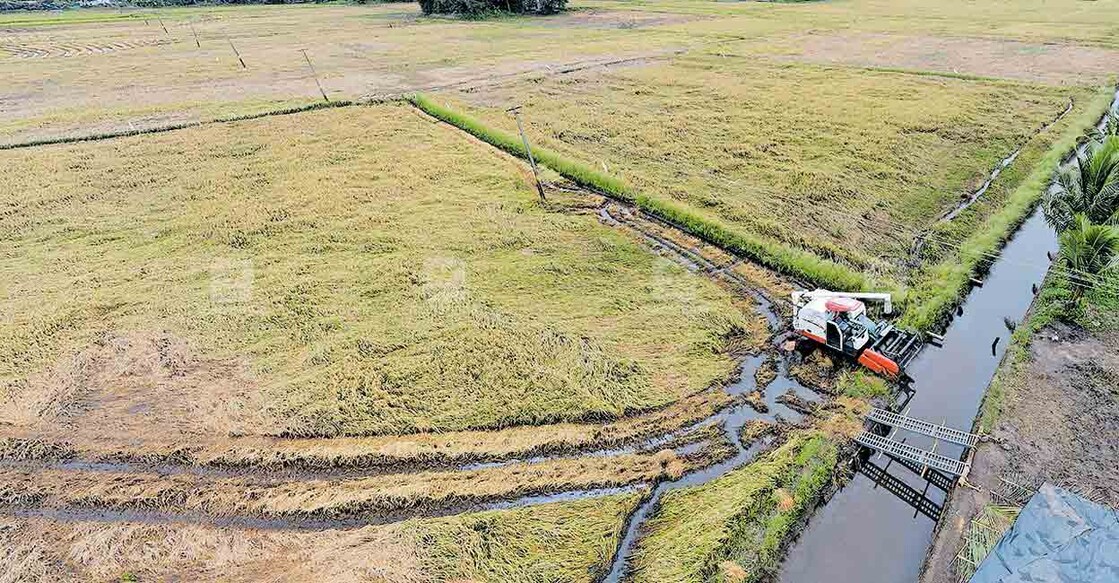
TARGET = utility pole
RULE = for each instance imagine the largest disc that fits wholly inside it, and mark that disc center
(315, 75)
(242, 61)
(516, 111)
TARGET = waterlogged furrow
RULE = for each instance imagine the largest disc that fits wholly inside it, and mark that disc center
(362, 499)
(970, 200)
(732, 422)
(257, 491)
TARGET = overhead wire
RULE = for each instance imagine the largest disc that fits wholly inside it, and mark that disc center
(880, 226)
(894, 228)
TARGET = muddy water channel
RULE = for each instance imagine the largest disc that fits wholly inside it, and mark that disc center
(867, 534)
(732, 421)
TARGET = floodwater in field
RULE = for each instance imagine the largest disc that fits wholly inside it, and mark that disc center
(732, 421)
(866, 534)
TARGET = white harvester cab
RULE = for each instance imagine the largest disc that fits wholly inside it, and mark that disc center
(839, 321)
(834, 321)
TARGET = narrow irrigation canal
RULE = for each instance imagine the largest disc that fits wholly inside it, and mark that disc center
(865, 533)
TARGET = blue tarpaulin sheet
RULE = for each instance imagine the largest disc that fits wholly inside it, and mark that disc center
(1058, 537)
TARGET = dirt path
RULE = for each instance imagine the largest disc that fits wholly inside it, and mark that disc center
(1059, 424)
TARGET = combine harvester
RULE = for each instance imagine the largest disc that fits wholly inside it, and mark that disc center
(839, 321)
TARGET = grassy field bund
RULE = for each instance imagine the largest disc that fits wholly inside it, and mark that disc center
(734, 528)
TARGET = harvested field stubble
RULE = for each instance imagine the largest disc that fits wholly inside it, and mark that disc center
(58, 85)
(1049, 63)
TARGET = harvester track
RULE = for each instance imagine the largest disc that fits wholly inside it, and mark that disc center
(76, 49)
(49, 481)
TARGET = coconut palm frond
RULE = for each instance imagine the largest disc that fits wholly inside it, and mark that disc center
(1088, 250)
(1090, 186)
(1113, 220)
(1104, 159)
(1057, 207)
(1110, 126)
(1106, 203)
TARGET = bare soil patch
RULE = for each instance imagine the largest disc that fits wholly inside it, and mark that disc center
(1023, 61)
(137, 386)
(1060, 425)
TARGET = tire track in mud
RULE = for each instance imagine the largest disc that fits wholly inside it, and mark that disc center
(693, 443)
(68, 49)
(652, 230)
(732, 420)
(298, 506)
(157, 517)
(727, 420)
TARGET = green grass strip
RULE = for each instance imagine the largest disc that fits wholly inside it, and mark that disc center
(579, 173)
(947, 282)
(742, 520)
(798, 263)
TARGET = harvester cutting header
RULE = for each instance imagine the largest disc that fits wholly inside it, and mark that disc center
(839, 321)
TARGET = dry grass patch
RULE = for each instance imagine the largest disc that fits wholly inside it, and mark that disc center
(379, 273)
(556, 542)
(776, 150)
(143, 385)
